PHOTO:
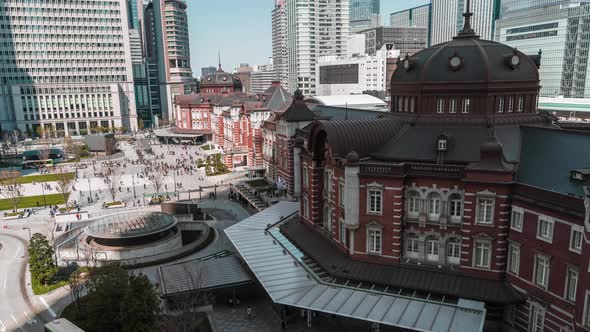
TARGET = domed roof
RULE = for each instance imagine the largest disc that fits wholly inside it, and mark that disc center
(130, 225)
(221, 78)
(466, 59)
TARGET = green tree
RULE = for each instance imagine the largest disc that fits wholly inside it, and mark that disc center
(141, 305)
(117, 301)
(42, 266)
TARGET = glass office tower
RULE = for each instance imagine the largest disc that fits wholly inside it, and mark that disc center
(364, 14)
(560, 29)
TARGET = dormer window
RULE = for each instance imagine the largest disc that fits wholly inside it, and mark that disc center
(442, 144)
(580, 174)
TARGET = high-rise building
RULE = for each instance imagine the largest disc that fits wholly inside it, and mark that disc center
(176, 76)
(262, 78)
(206, 71)
(65, 78)
(364, 14)
(279, 42)
(314, 28)
(560, 29)
(417, 17)
(406, 40)
(447, 18)
(152, 55)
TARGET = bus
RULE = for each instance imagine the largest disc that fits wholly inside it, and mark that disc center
(62, 325)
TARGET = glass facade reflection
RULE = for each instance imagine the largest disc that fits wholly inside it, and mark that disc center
(560, 29)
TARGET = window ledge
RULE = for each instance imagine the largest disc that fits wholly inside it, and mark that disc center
(374, 213)
(483, 225)
(544, 239)
(516, 229)
(575, 251)
(378, 254)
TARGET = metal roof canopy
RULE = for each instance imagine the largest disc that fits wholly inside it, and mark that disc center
(278, 266)
(199, 274)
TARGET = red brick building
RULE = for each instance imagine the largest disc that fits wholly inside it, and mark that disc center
(229, 118)
(463, 191)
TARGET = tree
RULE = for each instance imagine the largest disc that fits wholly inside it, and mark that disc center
(118, 301)
(12, 189)
(40, 131)
(141, 305)
(156, 176)
(112, 176)
(44, 154)
(42, 266)
(63, 183)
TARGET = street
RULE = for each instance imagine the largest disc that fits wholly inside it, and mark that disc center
(19, 309)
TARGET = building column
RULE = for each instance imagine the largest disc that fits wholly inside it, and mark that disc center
(351, 242)
(297, 169)
(66, 130)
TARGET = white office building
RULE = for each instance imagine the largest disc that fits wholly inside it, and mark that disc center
(65, 66)
(279, 42)
(315, 28)
(560, 30)
(354, 74)
(261, 77)
(447, 19)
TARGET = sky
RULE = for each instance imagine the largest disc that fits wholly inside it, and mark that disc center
(241, 30)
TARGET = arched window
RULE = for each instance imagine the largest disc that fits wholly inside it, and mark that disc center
(328, 218)
(327, 183)
(434, 205)
(412, 246)
(455, 207)
(453, 251)
(432, 246)
(413, 203)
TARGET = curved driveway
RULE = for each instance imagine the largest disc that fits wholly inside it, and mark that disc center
(17, 313)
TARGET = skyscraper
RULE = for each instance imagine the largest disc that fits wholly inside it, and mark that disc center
(447, 18)
(279, 42)
(152, 54)
(417, 17)
(65, 67)
(560, 29)
(172, 40)
(364, 14)
(314, 28)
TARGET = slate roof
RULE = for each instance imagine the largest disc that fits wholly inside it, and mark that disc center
(342, 113)
(440, 282)
(221, 78)
(362, 135)
(483, 61)
(548, 156)
(298, 112)
(202, 274)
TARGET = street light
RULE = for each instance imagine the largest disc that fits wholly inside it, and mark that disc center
(27, 228)
(133, 179)
(43, 189)
(89, 189)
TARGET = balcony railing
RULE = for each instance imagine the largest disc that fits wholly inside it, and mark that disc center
(454, 171)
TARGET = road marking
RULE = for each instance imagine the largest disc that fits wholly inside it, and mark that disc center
(48, 307)
(3, 327)
(17, 252)
(17, 324)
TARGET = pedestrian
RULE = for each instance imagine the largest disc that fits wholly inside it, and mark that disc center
(249, 312)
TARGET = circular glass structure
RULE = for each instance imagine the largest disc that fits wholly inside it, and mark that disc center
(131, 229)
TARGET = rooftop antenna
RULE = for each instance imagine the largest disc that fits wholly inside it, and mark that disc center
(467, 31)
(219, 57)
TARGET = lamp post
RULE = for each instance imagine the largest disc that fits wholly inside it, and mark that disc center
(43, 189)
(28, 229)
(90, 190)
(175, 192)
(133, 180)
